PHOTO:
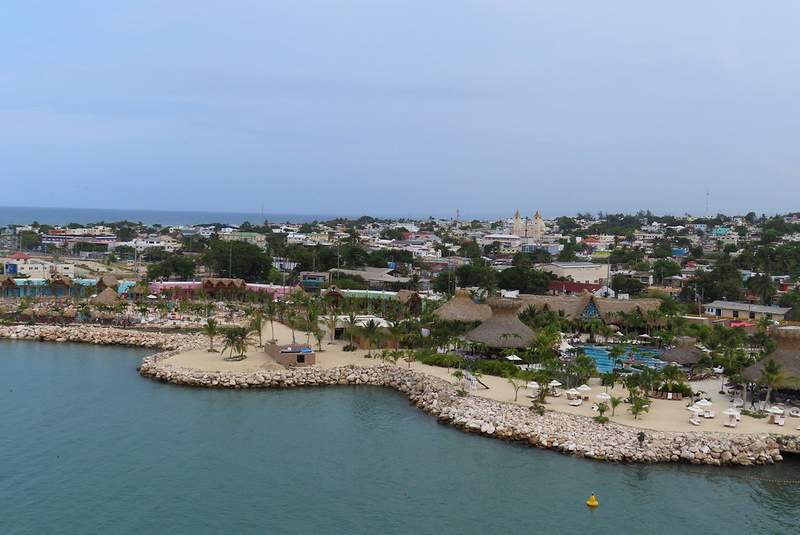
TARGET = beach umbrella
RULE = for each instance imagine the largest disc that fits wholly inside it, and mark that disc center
(584, 388)
(704, 403)
(554, 383)
(572, 392)
(696, 409)
(533, 385)
(775, 410)
(731, 412)
(513, 357)
(602, 396)
(644, 335)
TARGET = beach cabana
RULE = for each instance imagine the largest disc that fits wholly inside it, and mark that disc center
(684, 353)
(502, 329)
(463, 309)
(786, 355)
(107, 281)
(107, 297)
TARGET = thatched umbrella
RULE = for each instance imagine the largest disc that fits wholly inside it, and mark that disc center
(107, 297)
(786, 354)
(684, 353)
(462, 308)
(502, 329)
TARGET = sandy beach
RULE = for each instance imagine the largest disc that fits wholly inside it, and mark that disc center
(664, 415)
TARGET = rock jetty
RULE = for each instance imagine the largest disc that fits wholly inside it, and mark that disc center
(102, 336)
(567, 433)
(571, 434)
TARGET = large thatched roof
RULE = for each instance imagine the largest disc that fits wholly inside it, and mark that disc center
(107, 297)
(684, 352)
(7, 282)
(60, 280)
(503, 328)
(573, 306)
(462, 308)
(787, 355)
(107, 281)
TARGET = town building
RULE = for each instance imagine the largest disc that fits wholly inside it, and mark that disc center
(578, 271)
(738, 310)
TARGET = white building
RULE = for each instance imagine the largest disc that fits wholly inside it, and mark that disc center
(578, 271)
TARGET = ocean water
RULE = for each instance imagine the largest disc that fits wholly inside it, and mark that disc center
(87, 446)
(63, 216)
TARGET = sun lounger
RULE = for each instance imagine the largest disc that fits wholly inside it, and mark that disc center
(669, 396)
(731, 423)
(708, 414)
(780, 420)
(576, 402)
(694, 421)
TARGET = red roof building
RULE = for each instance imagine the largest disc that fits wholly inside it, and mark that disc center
(19, 255)
(570, 287)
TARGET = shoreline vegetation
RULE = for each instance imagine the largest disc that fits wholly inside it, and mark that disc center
(572, 434)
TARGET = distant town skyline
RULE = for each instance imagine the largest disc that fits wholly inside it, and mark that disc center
(394, 108)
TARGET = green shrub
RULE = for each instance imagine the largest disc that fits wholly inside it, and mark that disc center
(600, 419)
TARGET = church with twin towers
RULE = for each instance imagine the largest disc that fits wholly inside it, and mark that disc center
(529, 229)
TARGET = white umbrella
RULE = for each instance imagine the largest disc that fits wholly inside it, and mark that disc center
(572, 392)
(644, 335)
(603, 396)
(731, 412)
(554, 383)
(533, 385)
(513, 357)
(694, 408)
(584, 388)
(704, 403)
(775, 410)
(151, 296)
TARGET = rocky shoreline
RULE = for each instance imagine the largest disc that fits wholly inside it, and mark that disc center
(575, 435)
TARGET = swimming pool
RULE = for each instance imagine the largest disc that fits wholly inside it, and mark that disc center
(633, 354)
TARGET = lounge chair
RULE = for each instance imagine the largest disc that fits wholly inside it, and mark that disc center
(669, 396)
(731, 423)
(576, 402)
(694, 421)
(780, 420)
(708, 414)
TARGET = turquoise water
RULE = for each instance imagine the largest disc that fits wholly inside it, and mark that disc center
(87, 446)
(639, 355)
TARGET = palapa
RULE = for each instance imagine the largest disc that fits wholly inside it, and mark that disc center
(684, 352)
(786, 355)
(462, 308)
(107, 297)
(502, 329)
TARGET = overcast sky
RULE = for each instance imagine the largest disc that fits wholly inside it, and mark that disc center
(396, 107)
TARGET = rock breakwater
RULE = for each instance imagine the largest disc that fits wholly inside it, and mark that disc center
(102, 336)
(571, 434)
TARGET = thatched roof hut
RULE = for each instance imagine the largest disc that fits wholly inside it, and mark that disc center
(684, 352)
(107, 281)
(578, 306)
(107, 297)
(787, 355)
(503, 328)
(7, 282)
(462, 308)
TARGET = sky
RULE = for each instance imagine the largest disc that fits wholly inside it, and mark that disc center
(390, 107)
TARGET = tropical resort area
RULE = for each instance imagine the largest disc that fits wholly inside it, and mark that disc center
(610, 362)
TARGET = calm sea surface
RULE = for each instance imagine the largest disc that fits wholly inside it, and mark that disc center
(87, 446)
(63, 216)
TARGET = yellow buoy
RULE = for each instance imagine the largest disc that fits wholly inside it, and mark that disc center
(592, 501)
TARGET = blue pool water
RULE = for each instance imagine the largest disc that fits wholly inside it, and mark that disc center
(633, 354)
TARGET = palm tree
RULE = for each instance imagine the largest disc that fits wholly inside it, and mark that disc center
(236, 339)
(516, 383)
(271, 309)
(608, 380)
(210, 329)
(351, 322)
(615, 402)
(371, 333)
(257, 325)
(770, 376)
(331, 321)
(638, 406)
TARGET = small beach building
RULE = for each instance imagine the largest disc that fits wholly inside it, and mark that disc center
(503, 329)
(292, 355)
(684, 352)
(738, 310)
(786, 354)
(463, 309)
